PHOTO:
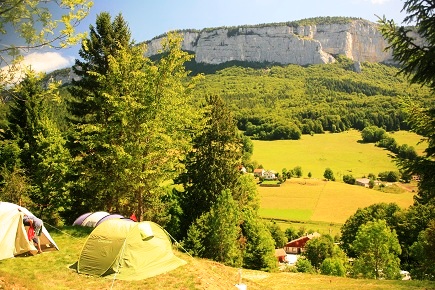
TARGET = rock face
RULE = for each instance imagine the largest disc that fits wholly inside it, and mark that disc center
(313, 44)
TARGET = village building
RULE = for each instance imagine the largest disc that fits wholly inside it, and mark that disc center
(297, 246)
(259, 172)
(280, 254)
(365, 182)
(269, 175)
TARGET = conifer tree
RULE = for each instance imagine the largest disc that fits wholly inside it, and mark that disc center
(43, 158)
(416, 57)
(212, 165)
(86, 107)
(133, 120)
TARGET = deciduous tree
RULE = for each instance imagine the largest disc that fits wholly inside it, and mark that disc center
(377, 249)
(329, 174)
(423, 250)
(35, 26)
(350, 228)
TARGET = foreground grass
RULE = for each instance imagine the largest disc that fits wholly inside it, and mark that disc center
(50, 271)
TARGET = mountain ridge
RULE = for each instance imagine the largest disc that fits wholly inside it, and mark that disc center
(304, 42)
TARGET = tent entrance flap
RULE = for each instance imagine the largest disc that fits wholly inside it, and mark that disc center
(99, 255)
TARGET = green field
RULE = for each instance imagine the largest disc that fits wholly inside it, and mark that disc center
(324, 206)
(340, 151)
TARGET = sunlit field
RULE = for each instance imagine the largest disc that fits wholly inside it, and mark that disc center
(340, 151)
(317, 200)
(320, 205)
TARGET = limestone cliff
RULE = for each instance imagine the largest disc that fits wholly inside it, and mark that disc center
(284, 44)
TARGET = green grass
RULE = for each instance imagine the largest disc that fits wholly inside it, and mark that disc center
(410, 138)
(341, 152)
(50, 271)
(292, 215)
(320, 205)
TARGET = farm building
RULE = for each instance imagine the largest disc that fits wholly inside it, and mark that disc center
(362, 182)
(280, 254)
(258, 172)
(297, 246)
(365, 182)
(269, 174)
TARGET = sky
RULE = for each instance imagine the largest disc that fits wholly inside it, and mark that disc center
(149, 18)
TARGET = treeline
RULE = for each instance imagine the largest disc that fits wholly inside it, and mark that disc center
(283, 102)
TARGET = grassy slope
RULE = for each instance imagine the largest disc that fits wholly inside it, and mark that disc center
(50, 271)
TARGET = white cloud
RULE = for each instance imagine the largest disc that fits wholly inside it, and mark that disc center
(47, 61)
(38, 62)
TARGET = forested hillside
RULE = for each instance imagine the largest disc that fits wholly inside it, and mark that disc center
(283, 102)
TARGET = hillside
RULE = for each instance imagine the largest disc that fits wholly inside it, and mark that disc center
(50, 271)
(285, 102)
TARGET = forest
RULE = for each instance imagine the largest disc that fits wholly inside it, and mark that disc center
(283, 102)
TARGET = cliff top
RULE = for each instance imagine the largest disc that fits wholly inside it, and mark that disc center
(303, 22)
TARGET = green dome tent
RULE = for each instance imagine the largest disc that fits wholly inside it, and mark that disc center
(129, 250)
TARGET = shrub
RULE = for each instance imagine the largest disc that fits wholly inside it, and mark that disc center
(329, 174)
(333, 267)
(304, 266)
(390, 176)
(349, 179)
(372, 134)
(291, 233)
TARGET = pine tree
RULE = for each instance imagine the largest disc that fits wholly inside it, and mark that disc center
(416, 57)
(212, 165)
(43, 158)
(136, 127)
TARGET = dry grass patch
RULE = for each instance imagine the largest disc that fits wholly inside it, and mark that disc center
(330, 202)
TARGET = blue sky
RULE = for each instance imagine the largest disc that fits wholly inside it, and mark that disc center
(149, 18)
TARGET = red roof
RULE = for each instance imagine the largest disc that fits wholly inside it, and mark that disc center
(300, 242)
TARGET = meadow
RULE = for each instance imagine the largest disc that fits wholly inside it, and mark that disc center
(319, 205)
(342, 152)
(316, 204)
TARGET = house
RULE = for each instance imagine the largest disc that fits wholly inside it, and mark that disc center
(280, 254)
(365, 182)
(297, 246)
(362, 182)
(269, 175)
(259, 172)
